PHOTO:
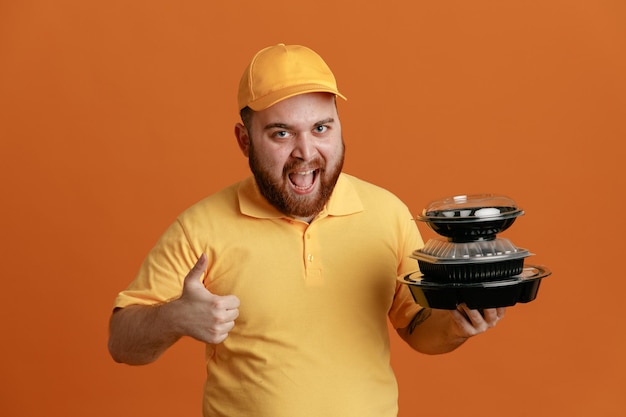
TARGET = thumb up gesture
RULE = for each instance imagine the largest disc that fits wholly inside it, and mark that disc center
(202, 315)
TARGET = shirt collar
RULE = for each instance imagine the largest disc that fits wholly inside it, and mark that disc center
(343, 201)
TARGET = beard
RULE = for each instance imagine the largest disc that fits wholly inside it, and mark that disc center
(278, 192)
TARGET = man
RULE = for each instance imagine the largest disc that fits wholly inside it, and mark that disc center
(289, 276)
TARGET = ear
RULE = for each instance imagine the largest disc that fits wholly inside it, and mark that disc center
(243, 139)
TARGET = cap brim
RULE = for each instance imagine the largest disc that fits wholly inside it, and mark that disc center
(269, 100)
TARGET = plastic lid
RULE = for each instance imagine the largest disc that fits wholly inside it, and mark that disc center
(472, 207)
(465, 218)
(443, 251)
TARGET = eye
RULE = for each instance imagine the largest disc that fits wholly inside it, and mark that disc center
(320, 129)
(280, 134)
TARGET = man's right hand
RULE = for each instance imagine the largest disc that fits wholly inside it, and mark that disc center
(139, 334)
(202, 315)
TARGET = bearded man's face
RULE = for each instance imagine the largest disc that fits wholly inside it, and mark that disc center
(296, 152)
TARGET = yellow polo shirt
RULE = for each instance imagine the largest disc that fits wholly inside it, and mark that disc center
(312, 336)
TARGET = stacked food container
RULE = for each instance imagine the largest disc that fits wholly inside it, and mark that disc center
(469, 263)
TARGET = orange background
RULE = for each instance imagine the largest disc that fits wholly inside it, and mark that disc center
(117, 115)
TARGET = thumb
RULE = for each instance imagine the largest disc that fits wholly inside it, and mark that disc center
(194, 277)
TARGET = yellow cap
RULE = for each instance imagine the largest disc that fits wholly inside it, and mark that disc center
(282, 71)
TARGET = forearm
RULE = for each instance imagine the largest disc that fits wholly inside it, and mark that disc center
(432, 332)
(138, 335)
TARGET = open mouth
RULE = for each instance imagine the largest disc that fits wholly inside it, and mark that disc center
(303, 181)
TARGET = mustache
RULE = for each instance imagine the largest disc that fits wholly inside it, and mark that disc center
(295, 165)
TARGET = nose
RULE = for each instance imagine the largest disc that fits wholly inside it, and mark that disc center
(304, 147)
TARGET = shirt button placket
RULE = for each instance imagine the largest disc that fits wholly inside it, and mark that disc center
(312, 266)
(308, 248)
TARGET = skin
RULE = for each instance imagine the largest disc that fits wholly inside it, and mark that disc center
(299, 136)
(140, 334)
(440, 331)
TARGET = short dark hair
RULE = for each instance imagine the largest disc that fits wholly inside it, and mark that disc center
(246, 117)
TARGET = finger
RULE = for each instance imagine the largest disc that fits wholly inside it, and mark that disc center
(215, 340)
(462, 311)
(473, 322)
(470, 315)
(224, 328)
(491, 316)
(232, 314)
(464, 326)
(231, 303)
(220, 330)
(225, 302)
(196, 273)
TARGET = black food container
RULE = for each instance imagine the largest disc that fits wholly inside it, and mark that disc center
(469, 218)
(470, 264)
(521, 288)
(483, 260)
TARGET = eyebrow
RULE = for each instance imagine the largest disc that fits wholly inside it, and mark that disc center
(276, 125)
(287, 127)
(325, 121)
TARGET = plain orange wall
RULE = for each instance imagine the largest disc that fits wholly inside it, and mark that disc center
(116, 115)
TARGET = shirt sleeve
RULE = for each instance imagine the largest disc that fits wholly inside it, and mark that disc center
(162, 273)
(404, 307)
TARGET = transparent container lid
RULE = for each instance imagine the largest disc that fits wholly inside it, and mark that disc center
(472, 207)
(445, 251)
(472, 217)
